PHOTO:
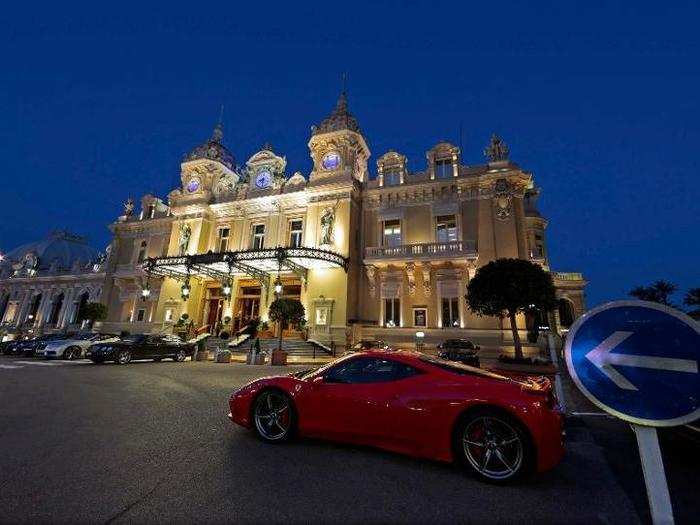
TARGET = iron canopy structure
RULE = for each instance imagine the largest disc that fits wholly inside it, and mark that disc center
(257, 264)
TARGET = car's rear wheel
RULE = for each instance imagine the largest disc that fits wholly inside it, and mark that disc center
(494, 446)
(180, 356)
(124, 357)
(273, 415)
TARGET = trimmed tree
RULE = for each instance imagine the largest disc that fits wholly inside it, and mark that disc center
(283, 311)
(658, 292)
(93, 312)
(506, 287)
(692, 299)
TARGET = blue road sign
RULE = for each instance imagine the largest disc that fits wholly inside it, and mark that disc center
(638, 361)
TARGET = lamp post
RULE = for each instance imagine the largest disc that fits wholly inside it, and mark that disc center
(420, 336)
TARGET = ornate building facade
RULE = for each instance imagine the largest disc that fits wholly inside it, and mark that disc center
(387, 256)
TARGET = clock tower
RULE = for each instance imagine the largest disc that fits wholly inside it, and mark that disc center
(337, 147)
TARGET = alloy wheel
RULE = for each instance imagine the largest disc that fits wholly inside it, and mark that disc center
(273, 418)
(124, 357)
(180, 356)
(493, 447)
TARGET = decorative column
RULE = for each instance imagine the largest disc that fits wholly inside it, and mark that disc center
(371, 272)
(410, 274)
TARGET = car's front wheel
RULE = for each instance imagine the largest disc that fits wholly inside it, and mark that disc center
(72, 352)
(124, 357)
(274, 417)
(494, 446)
(180, 356)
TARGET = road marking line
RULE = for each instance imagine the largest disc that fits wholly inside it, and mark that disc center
(8, 367)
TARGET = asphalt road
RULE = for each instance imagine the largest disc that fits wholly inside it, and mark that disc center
(150, 442)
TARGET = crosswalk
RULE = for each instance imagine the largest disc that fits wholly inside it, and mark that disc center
(13, 365)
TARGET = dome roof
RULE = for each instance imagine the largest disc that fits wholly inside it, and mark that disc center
(59, 246)
(339, 119)
(213, 149)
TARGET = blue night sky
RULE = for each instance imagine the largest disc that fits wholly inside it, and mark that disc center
(600, 101)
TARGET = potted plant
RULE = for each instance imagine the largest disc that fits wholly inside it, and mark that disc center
(222, 356)
(284, 311)
(202, 353)
(183, 326)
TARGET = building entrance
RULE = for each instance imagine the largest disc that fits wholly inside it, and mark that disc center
(247, 306)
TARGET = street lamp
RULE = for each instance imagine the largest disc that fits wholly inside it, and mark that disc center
(145, 292)
(185, 290)
(278, 285)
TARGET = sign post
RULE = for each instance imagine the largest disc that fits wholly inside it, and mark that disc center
(639, 362)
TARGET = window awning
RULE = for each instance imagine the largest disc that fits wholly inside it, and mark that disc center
(258, 264)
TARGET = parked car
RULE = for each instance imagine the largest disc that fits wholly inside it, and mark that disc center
(73, 347)
(141, 346)
(498, 428)
(27, 347)
(7, 347)
(369, 344)
(461, 350)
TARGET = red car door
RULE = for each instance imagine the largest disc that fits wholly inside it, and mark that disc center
(351, 402)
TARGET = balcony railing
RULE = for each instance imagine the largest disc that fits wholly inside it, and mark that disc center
(568, 276)
(424, 251)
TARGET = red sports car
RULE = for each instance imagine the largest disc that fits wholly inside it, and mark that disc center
(498, 427)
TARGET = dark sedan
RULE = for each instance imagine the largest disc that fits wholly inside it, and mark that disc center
(141, 346)
(461, 350)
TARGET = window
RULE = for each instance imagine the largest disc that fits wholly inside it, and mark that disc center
(140, 315)
(168, 315)
(420, 317)
(392, 177)
(450, 312)
(151, 211)
(392, 233)
(142, 252)
(222, 241)
(446, 228)
(443, 169)
(392, 312)
(369, 370)
(539, 246)
(295, 233)
(258, 236)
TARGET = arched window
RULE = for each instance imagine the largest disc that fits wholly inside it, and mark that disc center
(56, 309)
(566, 313)
(36, 301)
(142, 252)
(4, 300)
(79, 307)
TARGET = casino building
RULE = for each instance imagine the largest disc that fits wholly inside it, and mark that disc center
(376, 257)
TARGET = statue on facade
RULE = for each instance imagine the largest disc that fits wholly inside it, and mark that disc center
(129, 207)
(496, 150)
(185, 235)
(327, 224)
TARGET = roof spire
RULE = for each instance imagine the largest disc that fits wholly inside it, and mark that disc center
(218, 134)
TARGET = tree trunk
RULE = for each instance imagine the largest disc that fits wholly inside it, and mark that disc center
(516, 336)
(279, 343)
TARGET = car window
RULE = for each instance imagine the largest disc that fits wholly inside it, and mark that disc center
(154, 339)
(369, 370)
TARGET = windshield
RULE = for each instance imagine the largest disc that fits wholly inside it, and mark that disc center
(459, 368)
(137, 338)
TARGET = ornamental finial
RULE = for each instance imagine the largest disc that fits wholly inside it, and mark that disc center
(129, 207)
(496, 150)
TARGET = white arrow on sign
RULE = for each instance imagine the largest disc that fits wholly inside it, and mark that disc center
(603, 358)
